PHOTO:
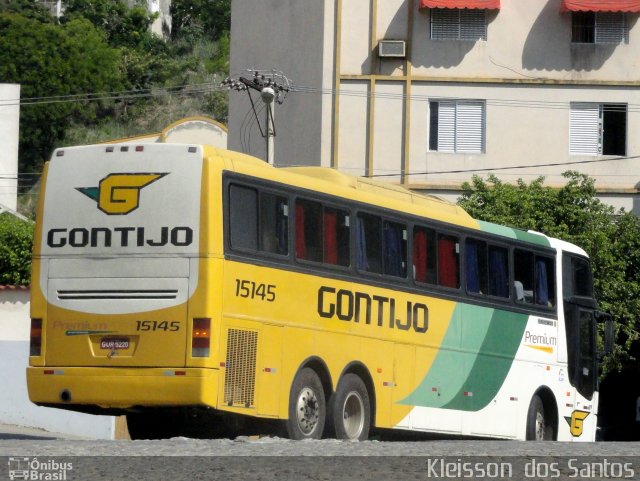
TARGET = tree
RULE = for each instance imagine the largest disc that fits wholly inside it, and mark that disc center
(574, 213)
(193, 19)
(52, 60)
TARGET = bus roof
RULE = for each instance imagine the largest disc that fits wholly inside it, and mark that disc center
(333, 182)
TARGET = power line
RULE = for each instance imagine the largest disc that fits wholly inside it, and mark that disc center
(194, 89)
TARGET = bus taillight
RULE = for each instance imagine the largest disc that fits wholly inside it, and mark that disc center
(201, 336)
(36, 337)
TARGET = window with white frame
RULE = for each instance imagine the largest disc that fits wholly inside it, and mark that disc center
(598, 129)
(458, 24)
(457, 126)
(599, 27)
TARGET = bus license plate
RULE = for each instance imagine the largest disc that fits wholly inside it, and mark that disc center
(112, 343)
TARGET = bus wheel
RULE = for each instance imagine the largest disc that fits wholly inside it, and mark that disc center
(307, 408)
(538, 428)
(351, 410)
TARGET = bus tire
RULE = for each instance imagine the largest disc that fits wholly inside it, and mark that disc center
(538, 426)
(351, 409)
(307, 406)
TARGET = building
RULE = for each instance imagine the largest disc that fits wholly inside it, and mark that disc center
(433, 91)
(9, 129)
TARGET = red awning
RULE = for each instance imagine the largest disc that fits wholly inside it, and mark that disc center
(482, 4)
(600, 6)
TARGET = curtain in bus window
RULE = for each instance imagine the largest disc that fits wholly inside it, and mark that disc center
(498, 272)
(282, 226)
(420, 255)
(542, 289)
(447, 262)
(361, 246)
(471, 267)
(301, 244)
(392, 250)
(330, 237)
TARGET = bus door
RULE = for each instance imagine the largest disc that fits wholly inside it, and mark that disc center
(580, 322)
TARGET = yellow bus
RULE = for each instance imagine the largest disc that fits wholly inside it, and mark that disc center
(181, 281)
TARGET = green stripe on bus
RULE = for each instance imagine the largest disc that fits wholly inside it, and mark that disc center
(493, 364)
(513, 233)
(471, 365)
(455, 358)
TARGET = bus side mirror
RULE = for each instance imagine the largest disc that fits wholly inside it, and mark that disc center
(609, 331)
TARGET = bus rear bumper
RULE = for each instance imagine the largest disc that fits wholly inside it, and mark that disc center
(121, 388)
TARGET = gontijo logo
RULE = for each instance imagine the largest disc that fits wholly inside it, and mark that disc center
(119, 194)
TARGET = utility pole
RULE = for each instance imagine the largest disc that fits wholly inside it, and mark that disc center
(273, 87)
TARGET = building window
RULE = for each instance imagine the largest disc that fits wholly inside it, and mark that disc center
(458, 24)
(457, 126)
(599, 27)
(598, 129)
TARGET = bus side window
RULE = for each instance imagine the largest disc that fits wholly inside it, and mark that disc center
(545, 287)
(336, 236)
(308, 230)
(243, 217)
(369, 243)
(448, 261)
(394, 249)
(534, 279)
(274, 224)
(322, 233)
(476, 266)
(424, 255)
(498, 271)
(523, 271)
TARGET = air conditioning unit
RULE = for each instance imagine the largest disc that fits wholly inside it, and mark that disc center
(392, 48)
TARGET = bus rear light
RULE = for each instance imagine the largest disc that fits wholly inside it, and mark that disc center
(139, 148)
(201, 337)
(35, 341)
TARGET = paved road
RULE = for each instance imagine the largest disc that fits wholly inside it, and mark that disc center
(246, 458)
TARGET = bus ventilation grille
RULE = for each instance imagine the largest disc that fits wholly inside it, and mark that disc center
(240, 367)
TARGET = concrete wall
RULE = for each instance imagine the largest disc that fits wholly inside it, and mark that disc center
(288, 36)
(15, 407)
(9, 130)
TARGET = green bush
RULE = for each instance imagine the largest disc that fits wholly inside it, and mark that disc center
(16, 244)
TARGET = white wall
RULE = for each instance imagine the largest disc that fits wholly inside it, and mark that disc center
(9, 129)
(15, 407)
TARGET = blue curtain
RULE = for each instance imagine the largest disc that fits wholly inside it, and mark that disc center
(392, 251)
(471, 266)
(361, 246)
(498, 273)
(542, 287)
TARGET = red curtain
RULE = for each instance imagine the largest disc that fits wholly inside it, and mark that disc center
(447, 262)
(420, 255)
(330, 237)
